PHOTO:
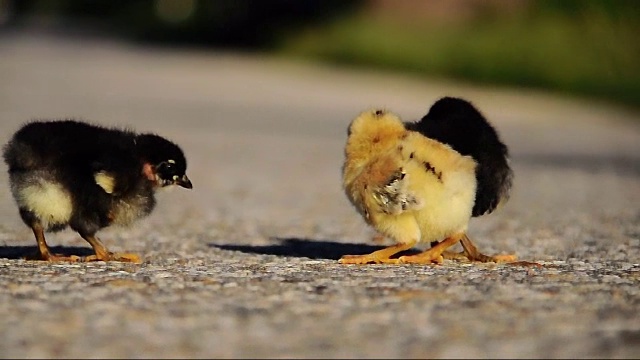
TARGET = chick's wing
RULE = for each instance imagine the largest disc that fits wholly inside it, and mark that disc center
(384, 186)
(406, 176)
(116, 170)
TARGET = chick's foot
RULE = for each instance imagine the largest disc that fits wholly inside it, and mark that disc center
(473, 254)
(53, 257)
(43, 252)
(121, 257)
(102, 254)
(366, 259)
(422, 258)
(433, 255)
(382, 256)
(457, 256)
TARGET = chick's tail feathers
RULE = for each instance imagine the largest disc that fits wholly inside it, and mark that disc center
(20, 156)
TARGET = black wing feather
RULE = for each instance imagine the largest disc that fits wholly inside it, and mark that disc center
(459, 124)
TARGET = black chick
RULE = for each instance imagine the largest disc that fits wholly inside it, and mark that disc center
(87, 177)
(457, 123)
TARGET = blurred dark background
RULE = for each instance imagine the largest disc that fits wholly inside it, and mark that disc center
(575, 47)
(243, 24)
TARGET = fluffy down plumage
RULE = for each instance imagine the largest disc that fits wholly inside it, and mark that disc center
(87, 177)
(415, 188)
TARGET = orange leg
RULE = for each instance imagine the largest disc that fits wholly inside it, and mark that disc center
(378, 257)
(434, 254)
(43, 249)
(451, 255)
(473, 254)
(470, 253)
(102, 254)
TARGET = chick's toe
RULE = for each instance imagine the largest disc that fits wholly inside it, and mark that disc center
(433, 255)
(506, 258)
(382, 256)
(127, 257)
(53, 257)
(366, 259)
(121, 257)
(473, 254)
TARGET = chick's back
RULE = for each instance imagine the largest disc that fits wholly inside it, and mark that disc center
(68, 143)
(73, 152)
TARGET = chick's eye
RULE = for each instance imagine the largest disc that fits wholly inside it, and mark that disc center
(165, 167)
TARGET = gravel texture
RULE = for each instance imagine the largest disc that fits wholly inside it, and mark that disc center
(245, 265)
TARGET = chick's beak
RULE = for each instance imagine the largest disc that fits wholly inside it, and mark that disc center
(184, 182)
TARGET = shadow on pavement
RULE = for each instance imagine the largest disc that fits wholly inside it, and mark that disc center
(313, 249)
(20, 252)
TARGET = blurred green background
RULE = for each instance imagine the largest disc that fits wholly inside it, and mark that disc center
(575, 47)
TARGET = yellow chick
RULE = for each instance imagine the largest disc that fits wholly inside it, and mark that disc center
(410, 188)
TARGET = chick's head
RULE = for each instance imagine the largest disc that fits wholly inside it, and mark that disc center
(373, 122)
(164, 161)
(373, 130)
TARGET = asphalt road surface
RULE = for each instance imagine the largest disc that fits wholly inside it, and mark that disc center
(245, 264)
